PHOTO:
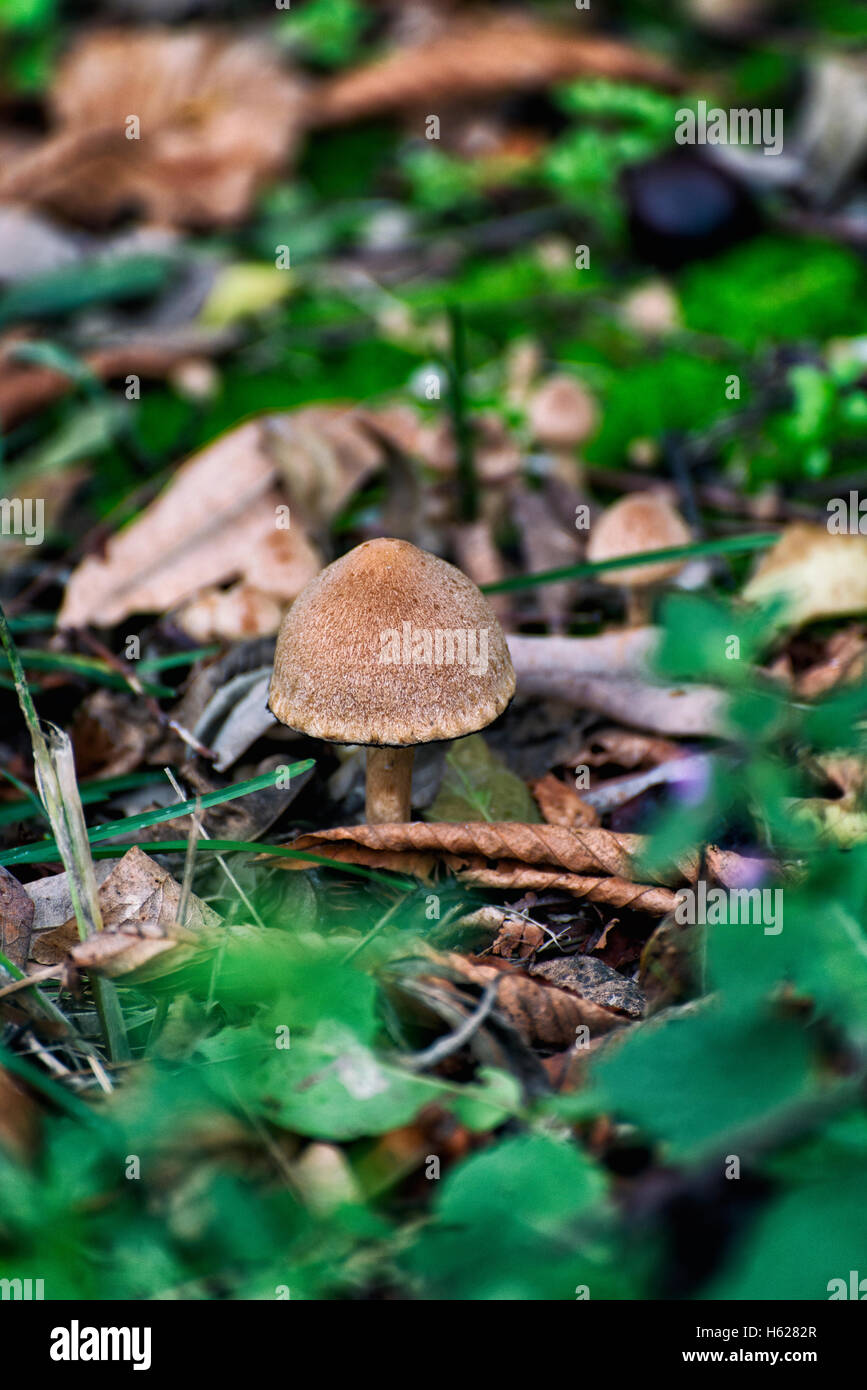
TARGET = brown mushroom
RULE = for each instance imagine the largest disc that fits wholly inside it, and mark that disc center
(642, 521)
(390, 647)
(562, 413)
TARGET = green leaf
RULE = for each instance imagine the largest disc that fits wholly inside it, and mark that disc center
(501, 1100)
(691, 1080)
(811, 1236)
(478, 786)
(328, 1085)
(523, 1220)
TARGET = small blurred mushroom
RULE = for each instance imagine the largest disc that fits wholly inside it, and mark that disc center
(652, 309)
(562, 413)
(642, 521)
(390, 647)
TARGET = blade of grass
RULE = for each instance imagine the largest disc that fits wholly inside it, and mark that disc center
(468, 488)
(90, 792)
(166, 663)
(8, 968)
(44, 850)
(54, 1092)
(31, 799)
(32, 622)
(248, 847)
(730, 545)
(90, 667)
(55, 780)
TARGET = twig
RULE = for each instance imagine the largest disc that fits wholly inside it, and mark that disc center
(444, 1047)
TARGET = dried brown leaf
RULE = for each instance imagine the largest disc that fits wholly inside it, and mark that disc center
(560, 803)
(19, 1117)
(215, 520)
(543, 1014)
(139, 901)
(223, 517)
(517, 939)
(16, 919)
(216, 117)
(626, 748)
(477, 56)
(117, 953)
(613, 891)
(738, 870)
(844, 659)
(591, 850)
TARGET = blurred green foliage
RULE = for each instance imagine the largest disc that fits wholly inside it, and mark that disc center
(767, 1058)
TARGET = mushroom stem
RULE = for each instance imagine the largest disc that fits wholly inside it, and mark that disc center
(389, 785)
(639, 606)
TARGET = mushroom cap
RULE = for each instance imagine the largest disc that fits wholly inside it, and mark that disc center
(363, 653)
(641, 521)
(562, 413)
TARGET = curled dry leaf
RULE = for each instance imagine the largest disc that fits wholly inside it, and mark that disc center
(477, 56)
(739, 870)
(625, 748)
(594, 980)
(525, 855)
(845, 660)
(216, 117)
(517, 939)
(612, 891)
(139, 903)
(114, 733)
(591, 850)
(118, 953)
